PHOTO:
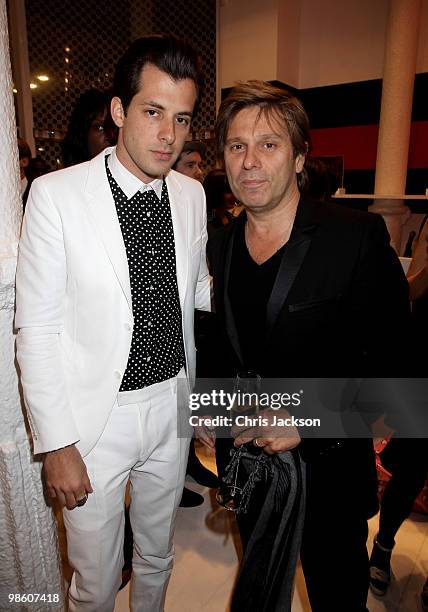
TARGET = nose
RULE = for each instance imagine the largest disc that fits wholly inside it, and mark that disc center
(251, 159)
(198, 174)
(167, 131)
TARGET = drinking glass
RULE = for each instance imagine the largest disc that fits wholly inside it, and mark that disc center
(247, 390)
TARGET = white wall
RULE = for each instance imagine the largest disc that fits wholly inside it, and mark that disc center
(247, 40)
(288, 52)
(307, 43)
(341, 41)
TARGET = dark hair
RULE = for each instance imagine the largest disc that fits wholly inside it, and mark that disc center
(75, 143)
(172, 55)
(322, 182)
(24, 149)
(37, 167)
(275, 103)
(216, 186)
(190, 147)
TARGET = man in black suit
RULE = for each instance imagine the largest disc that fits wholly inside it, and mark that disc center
(304, 289)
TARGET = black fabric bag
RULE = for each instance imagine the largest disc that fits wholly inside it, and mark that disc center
(270, 516)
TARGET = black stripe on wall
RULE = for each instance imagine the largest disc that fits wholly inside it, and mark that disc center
(363, 181)
(352, 103)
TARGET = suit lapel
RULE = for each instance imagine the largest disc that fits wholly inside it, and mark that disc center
(179, 212)
(291, 262)
(102, 212)
(293, 257)
(232, 332)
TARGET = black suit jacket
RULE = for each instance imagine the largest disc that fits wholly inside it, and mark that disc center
(339, 308)
(339, 305)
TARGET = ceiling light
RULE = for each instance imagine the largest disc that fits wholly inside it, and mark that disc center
(42, 77)
(33, 86)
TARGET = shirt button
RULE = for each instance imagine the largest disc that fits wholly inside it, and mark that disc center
(149, 323)
(128, 326)
(151, 287)
(118, 374)
(148, 213)
(148, 358)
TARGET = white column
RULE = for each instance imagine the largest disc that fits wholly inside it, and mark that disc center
(29, 561)
(401, 47)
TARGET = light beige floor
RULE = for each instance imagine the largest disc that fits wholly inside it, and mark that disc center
(207, 549)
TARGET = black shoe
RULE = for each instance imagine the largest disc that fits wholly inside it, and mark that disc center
(201, 474)
(126, 577)
(424, 597)
(190, 499)
(380, 569)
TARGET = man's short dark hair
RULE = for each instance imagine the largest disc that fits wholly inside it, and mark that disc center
(190, 146)
(277, 104)
(174, 56)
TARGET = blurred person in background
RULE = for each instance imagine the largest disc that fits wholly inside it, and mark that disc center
(90, 129)
(191, 160)
(322, 183)
(24, 152)
(406, 459)
(220, 199)
(29, 169)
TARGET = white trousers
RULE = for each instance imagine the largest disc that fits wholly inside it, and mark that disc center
(139, 443)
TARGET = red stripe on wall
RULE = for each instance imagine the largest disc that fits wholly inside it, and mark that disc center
(418, 150)
(358, 145)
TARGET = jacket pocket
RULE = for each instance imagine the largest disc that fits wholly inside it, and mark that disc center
(314, 305)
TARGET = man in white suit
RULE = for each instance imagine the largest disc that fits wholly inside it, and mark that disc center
(111, 267)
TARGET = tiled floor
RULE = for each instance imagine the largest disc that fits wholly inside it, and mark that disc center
(207, 549)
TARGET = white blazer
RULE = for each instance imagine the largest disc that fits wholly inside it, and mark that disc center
(73, 298)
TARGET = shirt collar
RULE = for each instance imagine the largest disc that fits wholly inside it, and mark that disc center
(127, 181)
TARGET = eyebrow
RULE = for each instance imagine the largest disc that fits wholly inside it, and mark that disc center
(160, 107)
(261, 137)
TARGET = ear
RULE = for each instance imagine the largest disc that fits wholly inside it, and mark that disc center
(24, 162)
(117, 112)
(299, 162)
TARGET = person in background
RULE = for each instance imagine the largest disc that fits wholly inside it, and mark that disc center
(418, 270)
(191, 160)
(24, 153)
(322, 183)
(90, 129)
(111, 268)
(405, 458)
(220, 199)
(30, 168)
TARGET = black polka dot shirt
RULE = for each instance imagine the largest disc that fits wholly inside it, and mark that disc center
(157, 350)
